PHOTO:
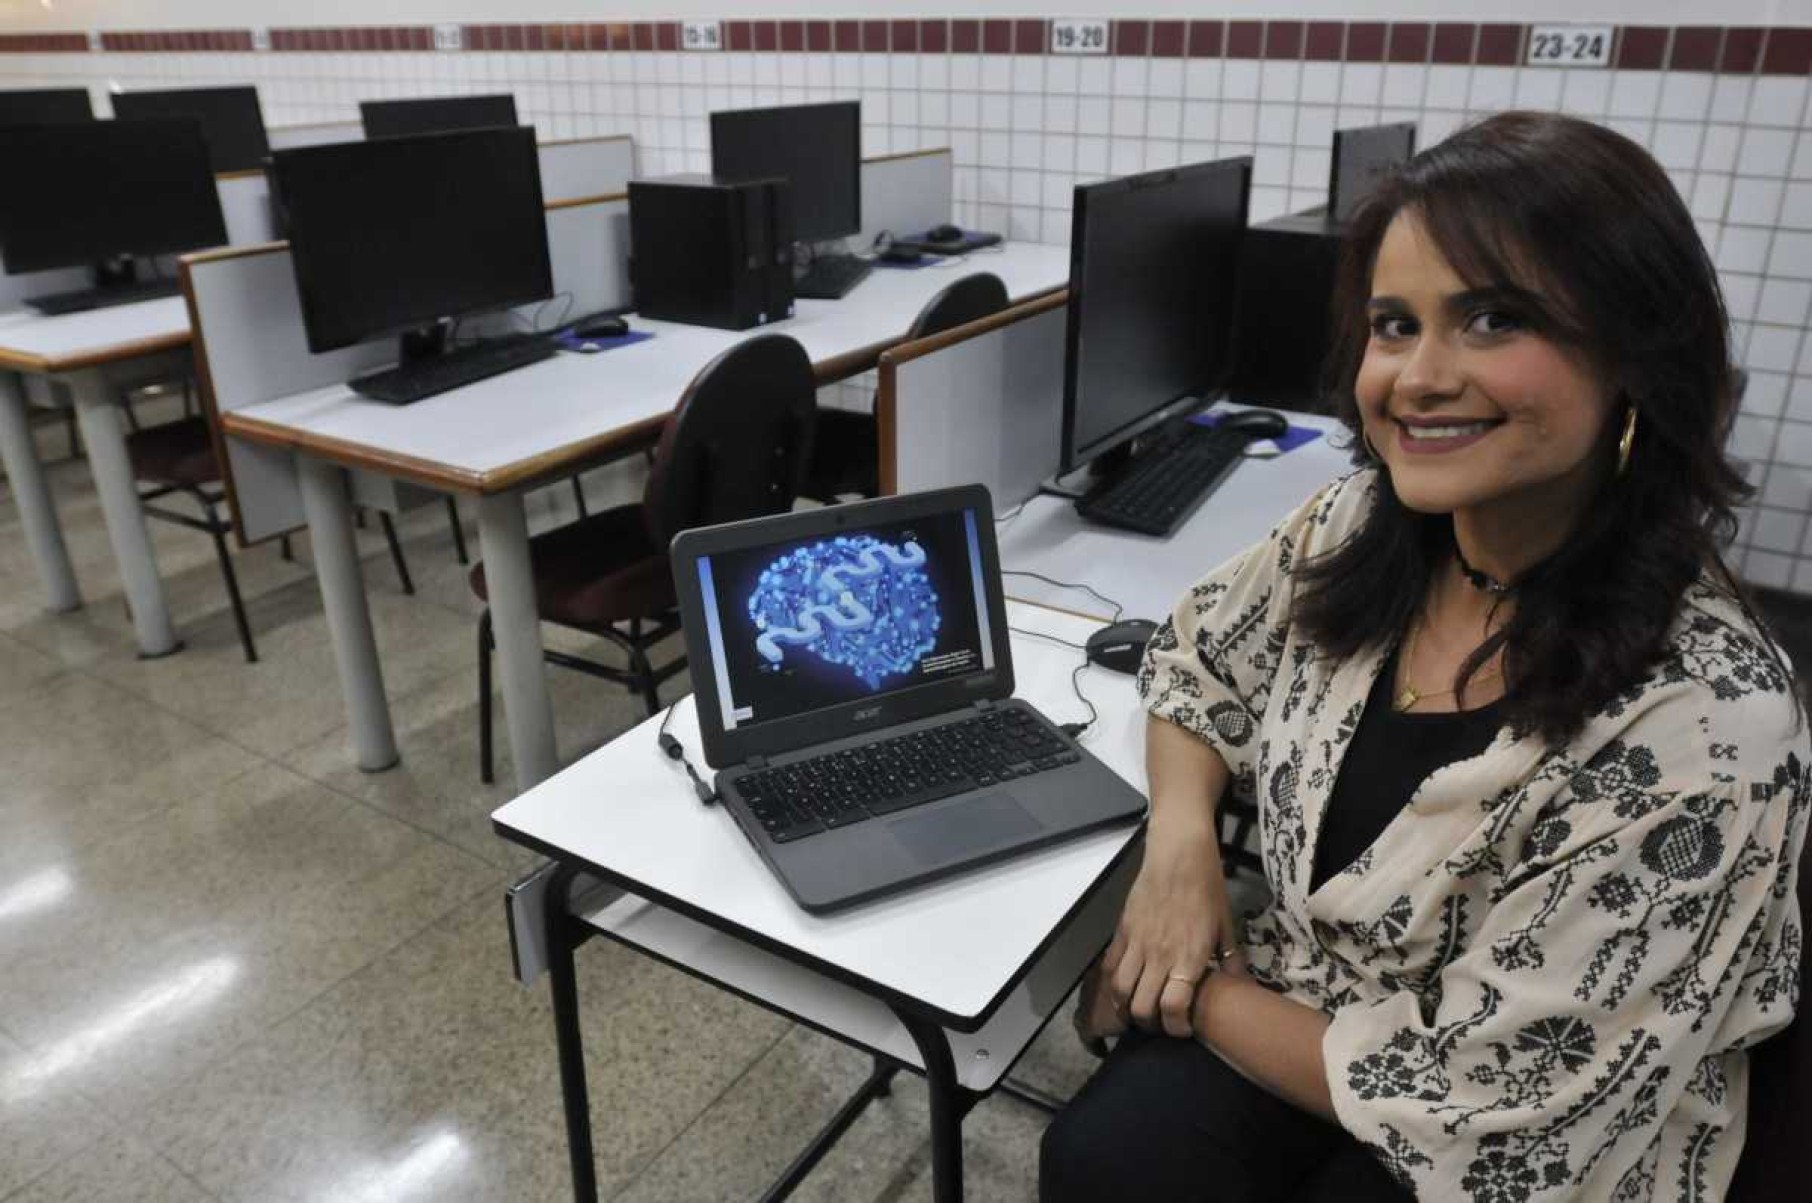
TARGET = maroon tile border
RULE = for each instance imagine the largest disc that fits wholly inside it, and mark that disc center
(1744, 50)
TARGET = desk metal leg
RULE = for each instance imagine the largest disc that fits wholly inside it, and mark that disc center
(563, 982)
(37, 512)
(516, 627)
(949, 1103)
(97, 411)
(329, 510)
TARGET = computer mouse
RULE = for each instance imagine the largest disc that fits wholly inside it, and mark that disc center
(1257, 423)
(601, 327)
(1119, 646)
(944, 233)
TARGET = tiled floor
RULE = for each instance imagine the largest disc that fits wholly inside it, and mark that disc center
(233, 967)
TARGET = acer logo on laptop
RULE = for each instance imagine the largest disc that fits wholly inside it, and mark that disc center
(867, 713)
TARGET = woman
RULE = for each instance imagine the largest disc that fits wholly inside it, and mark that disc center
(1532, 778)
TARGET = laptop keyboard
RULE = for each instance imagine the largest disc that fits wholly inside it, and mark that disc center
(834, 790)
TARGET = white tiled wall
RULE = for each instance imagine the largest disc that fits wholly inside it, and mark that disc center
(1027, 128)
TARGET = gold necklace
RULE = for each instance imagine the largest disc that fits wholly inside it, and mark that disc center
(1410, 695)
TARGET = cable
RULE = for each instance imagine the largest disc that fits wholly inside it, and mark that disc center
(1073, 730)
(1010, 514)
(671, 745)
(1089, 589)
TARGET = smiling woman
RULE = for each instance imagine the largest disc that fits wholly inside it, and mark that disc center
(1532, 779)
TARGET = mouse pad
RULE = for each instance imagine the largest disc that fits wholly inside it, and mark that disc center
(566, 340)
(1290, 440)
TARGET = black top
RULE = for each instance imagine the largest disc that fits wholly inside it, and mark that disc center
(1392, 753)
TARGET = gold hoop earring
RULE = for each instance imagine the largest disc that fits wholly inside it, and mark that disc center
(1627, 442)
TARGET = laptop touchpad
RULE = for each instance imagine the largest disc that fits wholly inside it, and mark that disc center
(977, 824)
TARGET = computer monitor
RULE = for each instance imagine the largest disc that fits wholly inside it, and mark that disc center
(45, 106)
(1153, 261)
(230, 119)
(106, 189)
(435, 114)
(1362, 157)
(816, 148)
(394, 236)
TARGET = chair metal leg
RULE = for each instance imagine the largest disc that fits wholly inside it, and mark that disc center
(284, 549)
(645, 681)
(396, 553)
(218, 530)
(75, 433)
(579, 496)
(486, 770)
(459, 532)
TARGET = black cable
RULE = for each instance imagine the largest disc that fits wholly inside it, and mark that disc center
(1073, 730)
(671, 745)
(1089, 589)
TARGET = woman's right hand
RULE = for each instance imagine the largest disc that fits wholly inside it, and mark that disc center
(1176, 921)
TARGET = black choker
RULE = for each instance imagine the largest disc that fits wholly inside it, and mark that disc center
(1479, 580)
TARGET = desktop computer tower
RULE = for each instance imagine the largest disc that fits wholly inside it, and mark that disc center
(710, 252)
(1284, 328)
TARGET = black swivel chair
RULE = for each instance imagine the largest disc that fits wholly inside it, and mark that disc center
(846, 452)
(734, 447)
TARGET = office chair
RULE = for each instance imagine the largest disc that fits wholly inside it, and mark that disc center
(846, 451)
(178, 457)
(1776, 1153)
(734, 447)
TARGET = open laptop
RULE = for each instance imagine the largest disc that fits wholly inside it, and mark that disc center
(854, 686)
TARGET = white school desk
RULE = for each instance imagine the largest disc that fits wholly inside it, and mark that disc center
(1146, 574)
(95, 354)
(952, 980)
(498, 437)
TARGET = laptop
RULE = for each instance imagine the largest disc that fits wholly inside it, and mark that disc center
(854, 685)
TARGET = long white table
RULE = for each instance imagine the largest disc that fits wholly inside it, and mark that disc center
(1148, 575)
(95, 355)
(953, 980)
(497, 438)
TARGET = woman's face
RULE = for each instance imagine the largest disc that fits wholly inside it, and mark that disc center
(1469, 407)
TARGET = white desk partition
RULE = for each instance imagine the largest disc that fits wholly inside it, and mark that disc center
(251, 347)
(905, 194)
(287, 137)
(245, 203)
(584, 167)
(982, 403)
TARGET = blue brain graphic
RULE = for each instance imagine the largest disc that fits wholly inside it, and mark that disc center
(852, 600)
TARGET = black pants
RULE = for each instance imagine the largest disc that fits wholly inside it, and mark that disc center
(1165, 1121)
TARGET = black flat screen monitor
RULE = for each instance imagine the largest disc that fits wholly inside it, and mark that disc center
(45, 106)
(817, 148)
(397, 234)
(1153, 262)
(230, 119)
(435, 114)
(106, 189)
(1362, 157)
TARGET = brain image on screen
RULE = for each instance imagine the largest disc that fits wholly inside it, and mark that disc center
(853, 601)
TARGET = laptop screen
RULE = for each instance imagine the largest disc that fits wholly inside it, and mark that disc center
(869, 611)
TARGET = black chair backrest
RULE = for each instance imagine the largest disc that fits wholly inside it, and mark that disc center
(736, 445)
(968, 299)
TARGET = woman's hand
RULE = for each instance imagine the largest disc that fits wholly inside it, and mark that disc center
(1175, 924)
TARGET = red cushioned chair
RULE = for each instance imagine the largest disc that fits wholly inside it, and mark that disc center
(846, 450)
(178, 457)
(734, 447)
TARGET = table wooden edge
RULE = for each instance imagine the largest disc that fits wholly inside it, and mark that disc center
(50, 365)
(547, 466)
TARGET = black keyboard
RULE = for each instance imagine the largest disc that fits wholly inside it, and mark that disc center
(840, 788)
(443, 373)
(830, 276)
(1166, 481)
(58, 303)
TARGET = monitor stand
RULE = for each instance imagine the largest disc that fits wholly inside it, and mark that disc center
(116, 283)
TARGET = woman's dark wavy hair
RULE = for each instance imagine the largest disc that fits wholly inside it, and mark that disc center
(1584, 219)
